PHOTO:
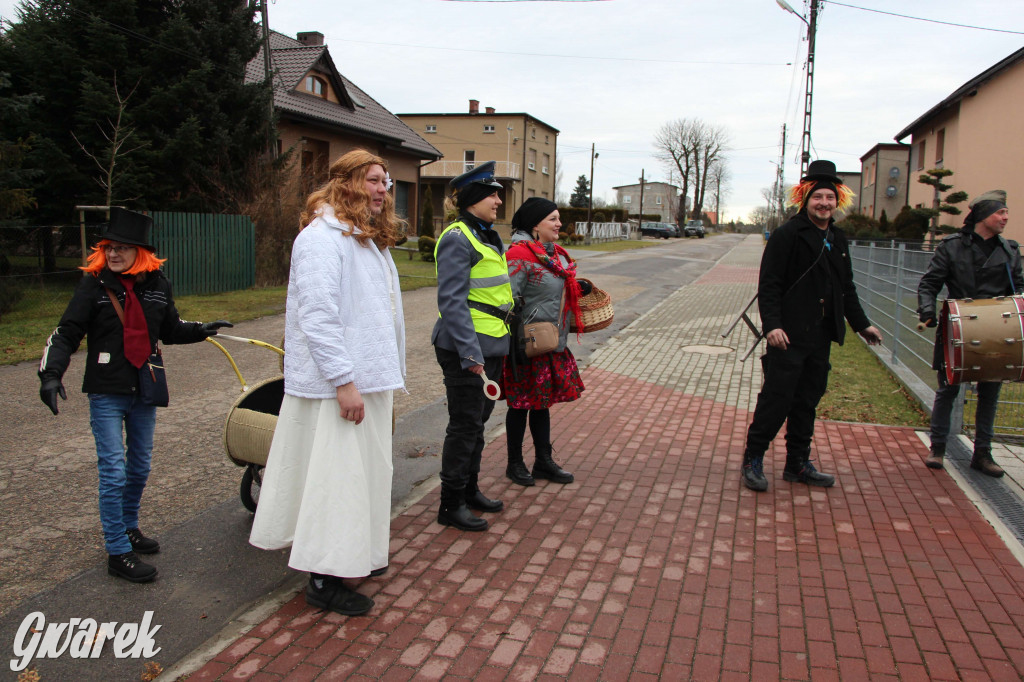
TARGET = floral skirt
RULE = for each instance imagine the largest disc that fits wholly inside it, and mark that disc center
(542, 381)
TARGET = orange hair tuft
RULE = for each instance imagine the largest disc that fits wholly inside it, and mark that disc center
(145, 260)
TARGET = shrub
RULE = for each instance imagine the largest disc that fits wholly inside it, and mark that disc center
(427, 219)
(426, 247)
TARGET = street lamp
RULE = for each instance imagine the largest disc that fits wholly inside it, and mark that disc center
(805, 142)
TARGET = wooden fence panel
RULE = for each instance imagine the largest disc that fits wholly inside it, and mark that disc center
(206, 253)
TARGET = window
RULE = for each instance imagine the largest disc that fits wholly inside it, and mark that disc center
(316, 86)
(533, 133)
(920, 156)
(657, 200)
(431, 128)
(547, 139)
(402, 190)
(546, 165)
(940, 143)
(627, 199)
(488, 129)
(468, 160)
(531, 158)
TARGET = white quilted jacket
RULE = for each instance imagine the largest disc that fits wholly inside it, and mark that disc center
(340, 325)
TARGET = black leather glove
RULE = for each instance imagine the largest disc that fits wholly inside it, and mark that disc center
(210, 328)
(48, 392)
(927, 318)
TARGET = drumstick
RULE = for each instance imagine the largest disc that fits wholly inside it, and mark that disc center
(921, 326)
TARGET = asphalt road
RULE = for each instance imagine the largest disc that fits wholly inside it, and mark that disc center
(51, 555)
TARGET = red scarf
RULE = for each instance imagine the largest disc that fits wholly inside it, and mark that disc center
(533, 252)
(136, 333)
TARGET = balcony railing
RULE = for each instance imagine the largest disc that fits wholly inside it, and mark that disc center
(450, 169)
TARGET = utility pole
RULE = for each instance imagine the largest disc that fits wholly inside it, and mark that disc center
(640, 220)
(590, 202)
(272, 142)
(805, 142)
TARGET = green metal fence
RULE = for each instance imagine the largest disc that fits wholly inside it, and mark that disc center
(206, 253)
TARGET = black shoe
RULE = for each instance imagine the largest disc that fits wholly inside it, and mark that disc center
(809, 475)
(378, 571)
(983, 462)
(477, 500)
(545, 467)
(130, 567)
(140, 543)
(518, 473)
(334, 595)
(460, 517)
(753, 475)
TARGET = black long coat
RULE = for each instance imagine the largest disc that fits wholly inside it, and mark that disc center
(792, 282)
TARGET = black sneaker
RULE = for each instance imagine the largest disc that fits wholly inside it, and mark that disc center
(130, 567)
(140, 543)
(809, 475)
(753, 475)
(334, 595)
(378, 571)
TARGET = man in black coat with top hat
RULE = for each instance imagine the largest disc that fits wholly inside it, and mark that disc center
(976, 262)
(805, 292)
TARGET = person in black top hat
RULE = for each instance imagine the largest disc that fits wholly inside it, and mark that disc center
(805, 291)
(470, 338)
(124, 305)
(976, 262)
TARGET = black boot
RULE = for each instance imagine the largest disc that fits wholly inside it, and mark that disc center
(454, 512)
(800, 470)
(140, 543)
(545, 467)
(130, 567)
(753, 472)
(983, 462)
(516, 470)
(477, 500)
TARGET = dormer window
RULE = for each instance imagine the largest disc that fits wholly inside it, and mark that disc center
(431, 128)
(316, 86)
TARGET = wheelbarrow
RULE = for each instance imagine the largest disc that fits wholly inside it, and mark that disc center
(249, 427)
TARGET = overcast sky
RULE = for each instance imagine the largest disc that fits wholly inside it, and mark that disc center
(611, 72)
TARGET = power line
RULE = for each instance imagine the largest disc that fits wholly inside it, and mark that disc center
(932, 21)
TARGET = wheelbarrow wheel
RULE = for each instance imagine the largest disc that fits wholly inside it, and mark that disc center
(252, 481)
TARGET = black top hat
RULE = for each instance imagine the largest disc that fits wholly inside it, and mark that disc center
(822, 170)
(129, 227)
(480, 175)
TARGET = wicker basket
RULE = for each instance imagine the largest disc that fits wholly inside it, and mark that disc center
(596, 308)
(249, 428)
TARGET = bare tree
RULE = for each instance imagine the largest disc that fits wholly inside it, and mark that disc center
(692, 147)
(719, 178)
(116, 135)
(759, 216)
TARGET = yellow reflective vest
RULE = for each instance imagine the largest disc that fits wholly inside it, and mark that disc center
(488, 283)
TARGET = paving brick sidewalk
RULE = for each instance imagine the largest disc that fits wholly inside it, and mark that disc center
(657, 563)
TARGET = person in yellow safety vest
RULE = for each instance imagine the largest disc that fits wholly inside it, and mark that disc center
(470, 338)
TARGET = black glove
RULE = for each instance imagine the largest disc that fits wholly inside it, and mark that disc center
(48, 392)
(210, 328)
(927, 318)
(585, 287)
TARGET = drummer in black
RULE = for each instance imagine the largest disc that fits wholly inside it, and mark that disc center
(976, 262)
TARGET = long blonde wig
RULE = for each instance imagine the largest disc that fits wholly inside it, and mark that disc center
(345, 192)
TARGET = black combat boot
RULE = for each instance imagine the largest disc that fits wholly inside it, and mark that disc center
(477, 500)
(983, 462)
(454, 512)
(545, 467)
(753, 472)
(130, 567)
(800, 470)
(516, 470)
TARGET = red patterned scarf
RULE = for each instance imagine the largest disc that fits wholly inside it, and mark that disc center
(535, 253)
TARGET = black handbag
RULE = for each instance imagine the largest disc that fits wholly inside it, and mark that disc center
(152, 376)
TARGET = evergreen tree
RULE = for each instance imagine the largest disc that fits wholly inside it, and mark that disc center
(939, 205)
(427, 219)
(195, 125)
(581, 194)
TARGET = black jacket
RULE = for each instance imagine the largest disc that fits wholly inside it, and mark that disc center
(960, 263)
(796, 270)
(90, 313)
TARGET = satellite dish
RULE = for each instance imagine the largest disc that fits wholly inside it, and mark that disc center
(894, 172)
(890, 191)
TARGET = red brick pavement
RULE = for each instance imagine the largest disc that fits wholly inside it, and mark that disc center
(657, 563)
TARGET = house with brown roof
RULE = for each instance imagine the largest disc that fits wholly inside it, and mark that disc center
(524, 149)
(322, 115)
(978, 133)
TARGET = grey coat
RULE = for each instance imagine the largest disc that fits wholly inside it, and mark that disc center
(540, 289)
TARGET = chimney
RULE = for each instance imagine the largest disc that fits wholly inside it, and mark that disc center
(310, 37)
(474, 106)
(489, 110)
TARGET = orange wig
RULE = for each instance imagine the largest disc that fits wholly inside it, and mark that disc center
(798, 194)
(145, 260)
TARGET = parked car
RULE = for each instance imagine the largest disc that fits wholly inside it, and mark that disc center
(694, 228)
(658, 230)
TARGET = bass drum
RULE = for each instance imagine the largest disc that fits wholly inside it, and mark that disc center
(983, 340)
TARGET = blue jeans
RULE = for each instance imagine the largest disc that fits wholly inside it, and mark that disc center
(984, 415)
(123, 428)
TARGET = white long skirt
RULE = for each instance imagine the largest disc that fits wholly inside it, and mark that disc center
(327, 487)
